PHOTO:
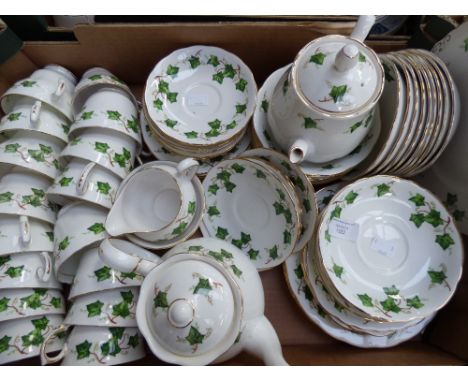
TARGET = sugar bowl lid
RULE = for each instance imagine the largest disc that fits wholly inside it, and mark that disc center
(191, 310)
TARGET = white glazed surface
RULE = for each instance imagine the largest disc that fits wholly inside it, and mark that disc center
(23, 336)
(18, 303)
(35, 151)
(48, 121)
(108, 108)
(114, 307)
(11, 238)
(100, 185)
(110, 149)
(24, 193)
(27, 270)
(185, 90)
(78, 226)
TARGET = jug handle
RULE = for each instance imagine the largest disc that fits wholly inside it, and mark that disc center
(35, 113)
(45, 272)
(259, 338)
(25, 229)
(363, 27)
(187, 168)
(122, 261)
(45, 359)
(83, 183)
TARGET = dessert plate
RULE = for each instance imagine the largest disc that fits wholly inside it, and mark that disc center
(396, 246)
(251, 208)
(200, 95)
(318, 173)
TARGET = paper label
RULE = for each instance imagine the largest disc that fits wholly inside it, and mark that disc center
(197, 100)
(383, 247)
(343, 230)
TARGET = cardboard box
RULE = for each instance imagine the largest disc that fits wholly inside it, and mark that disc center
(131, 51)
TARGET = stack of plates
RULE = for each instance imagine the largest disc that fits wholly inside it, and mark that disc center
(385, 258)
(419, 108)
(198, 101)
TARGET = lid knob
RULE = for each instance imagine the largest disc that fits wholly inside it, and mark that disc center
(347, 58)
(180, 313)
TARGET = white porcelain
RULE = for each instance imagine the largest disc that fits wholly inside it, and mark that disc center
(200, 95)
(78, 226)
(108, 148)
(92, 81)
(96, 346)
(94, 276)
(294, 275)
(86, 181)
(52, 85)
(33, 115)
(202, 300)
(23, 193)
(19, 303)
(160, 153)
(400, 257)
(22, 338)
(252, 209)
(20, 234)
(322, 104)
(303, 188)
(156, 203)
(115, 307)
(32, 150)
(108, 108)
(317, 172)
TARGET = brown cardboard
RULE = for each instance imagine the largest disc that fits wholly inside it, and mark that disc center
(130, 51)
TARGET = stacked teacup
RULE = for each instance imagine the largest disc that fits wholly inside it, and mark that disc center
(104, 140)
(35, 127)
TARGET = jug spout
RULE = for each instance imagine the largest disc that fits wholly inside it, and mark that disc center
(298, 151)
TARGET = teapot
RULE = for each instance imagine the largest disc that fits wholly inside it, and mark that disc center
(322, 106)
(202, 302)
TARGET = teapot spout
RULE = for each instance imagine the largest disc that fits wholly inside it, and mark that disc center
(298, 151)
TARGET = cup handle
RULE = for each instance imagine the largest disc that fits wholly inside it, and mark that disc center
(45, 359)
(187, 168)
(35, 113)
(363, 27)
(60, 89)
(25, 229)
(83, 183)
(124, 262)
(45, 272)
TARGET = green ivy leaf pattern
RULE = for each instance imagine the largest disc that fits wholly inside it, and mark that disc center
(94, 309)
(14, 116)
(113, 115)
(170, 123)
(213, 211)
(4, 304)
(418, 200)
(241, 108)
(28, 83)
(75, 141)
(4, 343)
(65, 182)
(337, 92)
(264, 106)
(388, 73)
(56, 302)
(97, 228)
(50, 235)
(414, 302)
(6, 197)
(83, 350)
(63, 245)
(172, 70)
(194, 337)
(86, 115)
(160, 301)
(203, 284)
(95, 77)
(101, 147)
(180, 229)
(103, 187)
(253, 254)
(445, 241)
(310, 123)
(4, 260)
(351, 197)
(213, 189)
(158, 104)
(191, 134)
(236, 270)
(194, 62)
(338, 270)
(383, 189)
(318, 58)
(241, 85)
(213, 60)
(361, 57)
(366, 300)
(15, 272)
(12, 147)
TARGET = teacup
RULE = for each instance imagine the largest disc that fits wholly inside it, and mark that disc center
(114, 307)
(27, 270)
(50, 85)
(109, 108)
(94, 79)
(23, 193)
(22, 338)
(87, 181)
(79, 225)
(156, 203)
(108, 148)
(93, 275)
(33, 150)
(96, 346)
(33, 115)
(19, 303)
(20, 234)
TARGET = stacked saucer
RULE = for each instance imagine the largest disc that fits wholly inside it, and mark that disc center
(198, 101)
(261, 203)
(387, 256)
(35, 128)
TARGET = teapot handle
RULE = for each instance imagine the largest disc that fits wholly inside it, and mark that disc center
(259, 338)
(45, 359)
(122, 261)
(363, 27)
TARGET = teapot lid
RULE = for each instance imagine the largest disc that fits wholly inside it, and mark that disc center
(337, 74)
(191, 309)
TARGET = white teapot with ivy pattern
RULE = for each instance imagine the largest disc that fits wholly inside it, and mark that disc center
(322, 106)
(202, 302)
